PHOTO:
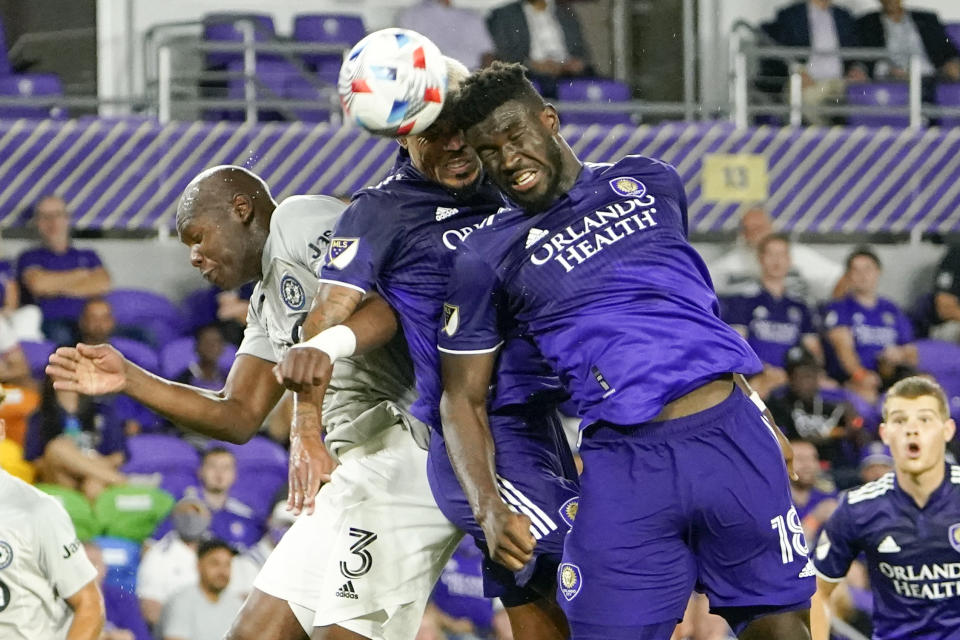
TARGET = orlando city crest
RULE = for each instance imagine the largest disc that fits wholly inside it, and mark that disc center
(569, 579)
(627, 186)
(954, 534)
(292, 292)
(342, 252)
(451, 318)
(568, 511)
(6, 554)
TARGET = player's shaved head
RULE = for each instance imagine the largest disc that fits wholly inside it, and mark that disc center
(215, 189)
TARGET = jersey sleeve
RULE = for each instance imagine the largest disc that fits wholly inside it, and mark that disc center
(303, 226)
(62, 558)
(836, 316)
(836, 547)
(89, 259)
(469, 323)
(256, 340)
(904, 328)
(362, 243)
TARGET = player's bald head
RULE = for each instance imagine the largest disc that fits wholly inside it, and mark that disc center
(214, 191)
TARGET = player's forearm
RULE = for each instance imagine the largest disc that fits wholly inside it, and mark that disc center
(210, 413)
(373, 323)
(84, 283)
(470, 447)
(332, 306)
(88, 614)
(820, 610)
(841, 339)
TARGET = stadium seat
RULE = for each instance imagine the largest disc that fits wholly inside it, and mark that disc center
(122, 557)
(200, 308)
(270, 82)
(131, 512)
(298, 88)
(261, 471)
(953, 33)
(138, 353)
(948, 95)
(886, 94)
(37, 354)
(77, 507)
(26, 85)
(594, 91)
(176, 356)
(224, 27)
(146, 315)
(169, 456)
(328, 28)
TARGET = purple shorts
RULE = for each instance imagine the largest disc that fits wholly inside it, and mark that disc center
(702, 502)
(537, 477)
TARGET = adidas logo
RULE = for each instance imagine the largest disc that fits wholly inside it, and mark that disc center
(445, 212)
(808, 571)
(347, 591)
(534, 237)
(888, 545)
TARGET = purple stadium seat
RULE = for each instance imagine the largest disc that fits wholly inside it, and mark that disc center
(32, 84)
(270, 82)
(138, 353)
(200, 308)
(594, 91)
(169, 456)
(948, 95)
(146, 314)
(298, 88)
(261, 471)
(885, 94)
(328, 28)
(177, 355)
(942, 360)
(223, 27)
(953, 33)
(37, 354)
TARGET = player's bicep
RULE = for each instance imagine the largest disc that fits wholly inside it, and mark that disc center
(466, 377)
(836, 547)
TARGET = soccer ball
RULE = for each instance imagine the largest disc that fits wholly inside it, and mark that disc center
(393, 83)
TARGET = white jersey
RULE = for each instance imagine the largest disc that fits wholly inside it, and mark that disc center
(364, 389)
(41, 563)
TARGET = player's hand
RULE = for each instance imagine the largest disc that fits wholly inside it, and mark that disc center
(89, 369)
(304, 367)
(310, 462)
(787, 450)
(509, 540)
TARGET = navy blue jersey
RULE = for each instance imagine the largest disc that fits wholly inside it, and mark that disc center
(398, 238)
(913, 555)
(608, 286)
(772, 324)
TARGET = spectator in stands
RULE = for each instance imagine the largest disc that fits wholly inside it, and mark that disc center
(544, 35)
(57, 276)
(247, 565)
(14, 368)
(805, 411)
(814, 495)
(231, 520)
(811, 277)
(21, 401)
(205, 371)
(124, 621)
(458, 31)
(170, 564)
(875, 462)
(457, 606)
(824, 27)
(904, 33)
(946, 297)
(205, 609)
(769, 319)
(76, 441)
(24, 319)
(96, 323)
(232, 311)
(870, 337)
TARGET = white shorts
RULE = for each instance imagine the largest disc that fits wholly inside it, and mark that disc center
(369, 555)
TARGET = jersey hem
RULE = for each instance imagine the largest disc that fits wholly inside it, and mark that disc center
(823, 576)
(470, 351)
(342, 284)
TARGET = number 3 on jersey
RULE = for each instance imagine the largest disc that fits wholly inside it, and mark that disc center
(790, 532)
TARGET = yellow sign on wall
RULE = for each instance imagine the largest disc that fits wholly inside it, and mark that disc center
(735, 177)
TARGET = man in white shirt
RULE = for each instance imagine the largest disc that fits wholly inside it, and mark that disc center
(204, 609)
(48, 586)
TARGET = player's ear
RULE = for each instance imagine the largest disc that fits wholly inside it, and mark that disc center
(243, 207)
(402, 142)
(883, 433)
(550, 118)
(949, 429)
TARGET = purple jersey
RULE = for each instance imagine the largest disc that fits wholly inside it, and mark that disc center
(773, 325)
(399, 237)
(605, 281)
(874, 328)
(57, 307)
(912, 555)
(6, 275)
(815, 498)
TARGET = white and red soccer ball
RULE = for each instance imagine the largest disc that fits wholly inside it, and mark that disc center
(393, 83)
